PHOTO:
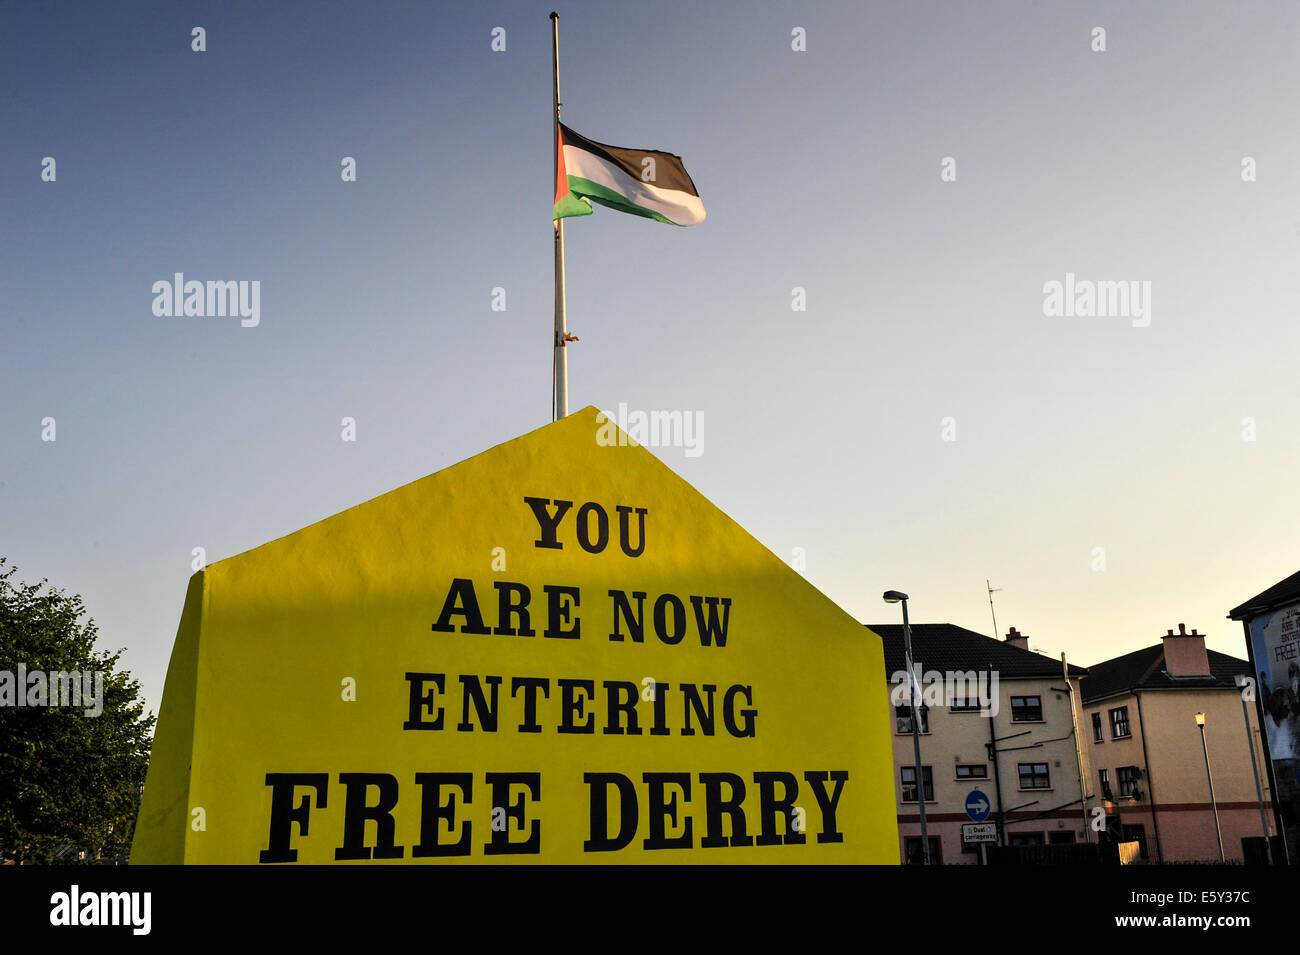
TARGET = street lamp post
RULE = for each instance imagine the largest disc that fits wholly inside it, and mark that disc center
(1218, 833)
(893, 597)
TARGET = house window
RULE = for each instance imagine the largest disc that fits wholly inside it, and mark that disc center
(914, 856)
(1097, 735)
(1026, 709)
(1128, 780)
(1105, 784)
(903, 715)
(1119, 727)
(973, 771)
(1058, 838)
(1025, 838)
(1035, 776)
(908, 776)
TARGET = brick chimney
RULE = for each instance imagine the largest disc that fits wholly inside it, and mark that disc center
(1185, 653)
(1017, 639)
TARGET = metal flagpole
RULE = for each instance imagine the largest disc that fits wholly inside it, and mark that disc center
(560, 400)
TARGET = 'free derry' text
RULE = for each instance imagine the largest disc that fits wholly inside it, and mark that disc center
(461, 815)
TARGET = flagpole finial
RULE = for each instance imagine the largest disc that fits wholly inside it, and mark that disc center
(554, 15)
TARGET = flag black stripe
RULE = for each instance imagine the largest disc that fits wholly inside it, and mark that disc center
(670, 173)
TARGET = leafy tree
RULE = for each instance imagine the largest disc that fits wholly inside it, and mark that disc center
(66, 779)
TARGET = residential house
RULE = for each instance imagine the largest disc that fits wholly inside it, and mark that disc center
(1144, 743)
(1020, 755)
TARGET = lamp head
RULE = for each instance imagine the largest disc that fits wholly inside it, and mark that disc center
(894, 596)
(1200, 719)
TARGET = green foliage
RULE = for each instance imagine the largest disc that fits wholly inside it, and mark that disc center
(66, 779)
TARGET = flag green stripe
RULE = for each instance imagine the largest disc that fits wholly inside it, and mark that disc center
(608, 197)
(571, 205)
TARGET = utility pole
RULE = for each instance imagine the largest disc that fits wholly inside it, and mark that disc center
(1078, 750)
(992, 746)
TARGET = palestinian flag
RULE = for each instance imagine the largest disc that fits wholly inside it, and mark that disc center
(644, 182)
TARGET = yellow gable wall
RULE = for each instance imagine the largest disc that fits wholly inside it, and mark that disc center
(269, 637)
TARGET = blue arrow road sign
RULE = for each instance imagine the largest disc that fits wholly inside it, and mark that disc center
(977, 806)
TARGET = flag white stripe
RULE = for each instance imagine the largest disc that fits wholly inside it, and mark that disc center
(673, 204)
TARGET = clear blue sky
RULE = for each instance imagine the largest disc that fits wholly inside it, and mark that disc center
(819, 169)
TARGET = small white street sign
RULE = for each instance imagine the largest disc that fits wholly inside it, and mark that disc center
(973, 833)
